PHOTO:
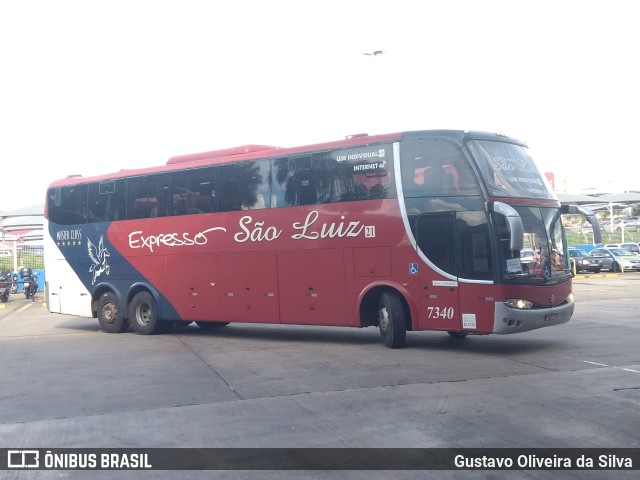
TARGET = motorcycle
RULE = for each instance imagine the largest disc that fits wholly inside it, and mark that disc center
(30, 283)
(14, 283)
(5, 286)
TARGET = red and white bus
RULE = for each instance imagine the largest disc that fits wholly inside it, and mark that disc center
(406, 231)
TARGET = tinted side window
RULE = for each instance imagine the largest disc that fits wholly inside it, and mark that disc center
(68, 205)
(262, 180)
(281, 190)
(436, 167)
(436, 239)
(148, 196)
(241, 186)
(194, 191)
(473, 246)
(107, 201)
(362, 173)
(303, 180)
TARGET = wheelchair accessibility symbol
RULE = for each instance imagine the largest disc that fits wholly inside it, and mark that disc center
(413, 269)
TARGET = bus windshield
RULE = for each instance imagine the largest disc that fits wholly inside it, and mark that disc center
(508, 170)
(543, 257)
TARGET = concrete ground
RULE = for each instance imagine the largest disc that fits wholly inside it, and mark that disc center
(64, 383)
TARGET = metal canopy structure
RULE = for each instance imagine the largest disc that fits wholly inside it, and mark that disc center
(28, 211)
(577, 198)
(23, 223)
(624, 197)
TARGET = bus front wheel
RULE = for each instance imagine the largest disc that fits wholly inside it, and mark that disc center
(391, 320)
(109, 316)
(143, 315)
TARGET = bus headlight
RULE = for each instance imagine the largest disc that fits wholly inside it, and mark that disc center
(518, 304)
(570, 298)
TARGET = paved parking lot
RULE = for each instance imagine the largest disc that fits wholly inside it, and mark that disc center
(64, 383)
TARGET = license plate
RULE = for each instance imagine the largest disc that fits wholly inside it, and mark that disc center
(26, 284)
(551, 317)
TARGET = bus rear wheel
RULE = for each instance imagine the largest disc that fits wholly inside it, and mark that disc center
(109, 316)
(143, 315)
(391, 320)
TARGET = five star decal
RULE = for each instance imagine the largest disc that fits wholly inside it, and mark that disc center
(70, 243)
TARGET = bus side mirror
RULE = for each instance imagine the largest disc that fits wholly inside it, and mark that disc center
(514, 222)
(589, 215)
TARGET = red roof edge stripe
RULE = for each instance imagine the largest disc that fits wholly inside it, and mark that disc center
(219, 153)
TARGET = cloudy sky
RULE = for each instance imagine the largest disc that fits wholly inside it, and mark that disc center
(92, 87)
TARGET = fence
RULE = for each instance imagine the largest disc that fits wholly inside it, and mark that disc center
(14, 255)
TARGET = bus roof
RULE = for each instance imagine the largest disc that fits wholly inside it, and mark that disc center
(254, 151)
(226, 152)
(230, 155)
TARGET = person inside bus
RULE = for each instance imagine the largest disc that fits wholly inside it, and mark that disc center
(438, 181)
(467, 182)
(193, 204)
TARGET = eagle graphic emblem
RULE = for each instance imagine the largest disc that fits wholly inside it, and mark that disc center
(98, 256)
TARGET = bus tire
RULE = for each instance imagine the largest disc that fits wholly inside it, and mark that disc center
(211, 325)
(109, 316)
(391, 320)
(143, 315)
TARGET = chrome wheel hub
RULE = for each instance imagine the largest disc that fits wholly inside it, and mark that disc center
(383, 320)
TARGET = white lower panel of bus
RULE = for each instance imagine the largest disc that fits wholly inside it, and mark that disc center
(65, 292)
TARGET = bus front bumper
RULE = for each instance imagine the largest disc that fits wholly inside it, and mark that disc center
(511, 320)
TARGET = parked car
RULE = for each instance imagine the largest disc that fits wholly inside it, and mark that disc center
(584, 261)
(614, 258)
(631, 246)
